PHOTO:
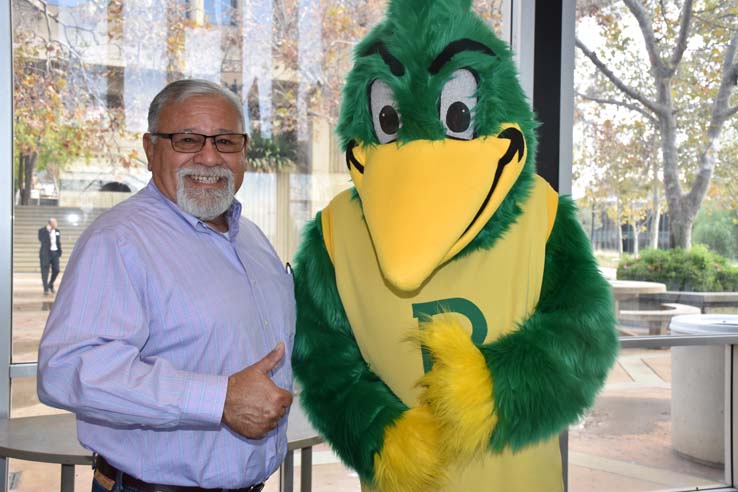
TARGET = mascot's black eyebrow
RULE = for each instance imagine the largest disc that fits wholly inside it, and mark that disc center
(455, 47)
(395, 65)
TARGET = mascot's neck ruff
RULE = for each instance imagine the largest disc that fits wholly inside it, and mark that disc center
(449, 308)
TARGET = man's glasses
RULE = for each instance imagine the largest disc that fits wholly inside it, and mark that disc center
(190, 143)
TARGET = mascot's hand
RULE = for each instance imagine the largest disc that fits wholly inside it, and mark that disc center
(458, 389)
(410, 460)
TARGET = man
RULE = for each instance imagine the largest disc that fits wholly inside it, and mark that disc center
(169, 332)
(49, 254)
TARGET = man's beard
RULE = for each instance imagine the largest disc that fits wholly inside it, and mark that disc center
(204, 203)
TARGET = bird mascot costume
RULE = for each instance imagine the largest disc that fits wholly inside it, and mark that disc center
(452, 320)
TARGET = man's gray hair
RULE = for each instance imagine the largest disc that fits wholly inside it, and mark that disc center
(184, 89)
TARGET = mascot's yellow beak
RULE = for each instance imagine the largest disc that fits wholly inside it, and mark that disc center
(425, 200)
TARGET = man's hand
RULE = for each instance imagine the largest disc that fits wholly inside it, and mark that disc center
(254, 405)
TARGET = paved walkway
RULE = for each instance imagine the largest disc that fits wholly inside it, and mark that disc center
(622, 445)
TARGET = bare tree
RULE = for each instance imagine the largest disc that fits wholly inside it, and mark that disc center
(655, 95)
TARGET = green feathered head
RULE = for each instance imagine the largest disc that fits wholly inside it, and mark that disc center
(439, 136)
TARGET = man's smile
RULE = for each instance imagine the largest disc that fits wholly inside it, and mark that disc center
(208, 180)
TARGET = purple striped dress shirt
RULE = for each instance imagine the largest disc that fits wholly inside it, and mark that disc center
(155, 310)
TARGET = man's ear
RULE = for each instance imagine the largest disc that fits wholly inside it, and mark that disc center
(148, 146)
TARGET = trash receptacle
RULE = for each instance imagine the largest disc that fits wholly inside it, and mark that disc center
(698, 388)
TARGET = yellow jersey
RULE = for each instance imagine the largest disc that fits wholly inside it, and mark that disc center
(491, 292)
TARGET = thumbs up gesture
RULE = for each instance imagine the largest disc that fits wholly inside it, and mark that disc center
(254, 405)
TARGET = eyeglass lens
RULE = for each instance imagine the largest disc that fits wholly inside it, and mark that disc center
(194, 142)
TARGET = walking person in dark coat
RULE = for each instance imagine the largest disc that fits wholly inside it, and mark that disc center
(49, 254)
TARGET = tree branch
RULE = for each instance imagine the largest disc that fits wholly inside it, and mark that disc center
(717, 120)
(684, 25)
(630, 92)
(728, 82)
(622, 104)
(644, 22)
(730, 112)
(68, 46)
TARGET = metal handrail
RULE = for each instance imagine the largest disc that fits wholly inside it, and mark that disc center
(676, 340)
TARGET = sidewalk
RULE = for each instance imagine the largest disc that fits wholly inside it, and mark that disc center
(622, 445)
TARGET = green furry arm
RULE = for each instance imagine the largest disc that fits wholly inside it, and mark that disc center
(345, 401)
(548, 372)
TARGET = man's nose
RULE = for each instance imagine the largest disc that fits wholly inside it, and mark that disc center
(209, 154)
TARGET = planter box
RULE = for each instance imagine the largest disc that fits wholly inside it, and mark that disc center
(698, 388)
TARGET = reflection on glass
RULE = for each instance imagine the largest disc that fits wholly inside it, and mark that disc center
(24, 401)
(32, 476)
(647, 430)
(85, 72)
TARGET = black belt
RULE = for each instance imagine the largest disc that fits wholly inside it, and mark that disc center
(111, 472)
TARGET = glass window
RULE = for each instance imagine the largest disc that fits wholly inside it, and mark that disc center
(658, 424)
(84, 74)
(653, 176)
(86, 71)
(655, 132)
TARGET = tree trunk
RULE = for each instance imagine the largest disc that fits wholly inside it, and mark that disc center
(27, 165)
(680, 233)
(619, 228)
(592, 226)
(19, 180)
(655, 219)
(636, 250)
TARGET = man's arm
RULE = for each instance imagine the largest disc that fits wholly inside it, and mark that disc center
(90, 353)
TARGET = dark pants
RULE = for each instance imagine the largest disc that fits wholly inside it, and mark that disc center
(50, 260)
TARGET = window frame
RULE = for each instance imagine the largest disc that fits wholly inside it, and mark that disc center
(550, 90)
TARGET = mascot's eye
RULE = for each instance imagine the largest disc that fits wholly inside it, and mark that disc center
(385, 116)
(458, 99)
(458, 117)
(389, 120)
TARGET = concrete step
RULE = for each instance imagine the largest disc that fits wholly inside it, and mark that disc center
(29, 219)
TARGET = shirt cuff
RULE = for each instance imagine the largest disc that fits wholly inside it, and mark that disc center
(204, 399)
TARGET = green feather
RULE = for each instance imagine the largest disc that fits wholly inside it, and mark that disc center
(549, 371)
(344, 400)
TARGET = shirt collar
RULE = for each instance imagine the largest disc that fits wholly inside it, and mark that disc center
(233, 214)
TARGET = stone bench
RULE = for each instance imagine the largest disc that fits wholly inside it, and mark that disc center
(658, 319)
(708, 302)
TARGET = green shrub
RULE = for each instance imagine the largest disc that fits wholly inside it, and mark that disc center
(717, 229)
(697, 269)
(271, 154)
